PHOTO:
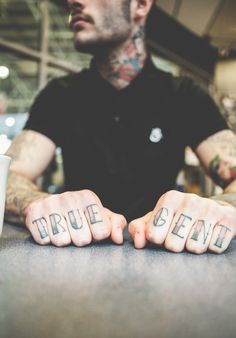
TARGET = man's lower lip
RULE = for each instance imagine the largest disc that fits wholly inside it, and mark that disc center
(79, 23)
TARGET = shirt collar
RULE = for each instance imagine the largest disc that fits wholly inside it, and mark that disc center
(146, 72)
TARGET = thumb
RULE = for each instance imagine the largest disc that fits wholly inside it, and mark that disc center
(118, 224)
(137, 230)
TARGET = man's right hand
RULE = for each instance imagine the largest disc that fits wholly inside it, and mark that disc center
(73, 217)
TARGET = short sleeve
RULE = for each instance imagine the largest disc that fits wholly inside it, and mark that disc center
(46, 113)
(202, 117)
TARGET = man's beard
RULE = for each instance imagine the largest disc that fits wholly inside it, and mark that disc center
(97, 48)
(102, 45)
(125, 7)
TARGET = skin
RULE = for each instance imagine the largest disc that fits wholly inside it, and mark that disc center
(118, 44)
(179, 221)
(186, 221)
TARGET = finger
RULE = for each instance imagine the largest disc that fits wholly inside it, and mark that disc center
(221, 237)
(162, 216)
(76, 221)
(118, 224)
(95, 214)
(137, 231)
(37, 224)
(183, 222)
(200, 235)
(57, 226)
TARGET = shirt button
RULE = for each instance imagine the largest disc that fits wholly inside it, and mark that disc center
(117, 119)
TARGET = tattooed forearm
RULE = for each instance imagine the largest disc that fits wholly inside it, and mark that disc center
(229, 198)
(25, 139)
(225, 142)
(20, 193)
(222, 172)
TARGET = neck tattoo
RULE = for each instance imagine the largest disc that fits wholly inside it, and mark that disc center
(123, 64)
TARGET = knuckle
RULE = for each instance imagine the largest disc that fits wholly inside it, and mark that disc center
(50, 199)
(149, 235)
(66, 198)
(172, 246)
(86, 193)
(196, 249)
(66, 195)
(101, 234)
(173, 192)
(121, 219)
(32, 207)
(132, 225)
(37, 238)
(228, 216)
(215, 249)
(136, 226)
(152, 237)
(62, 241)
(42, 241)
(82, 242)
(171, 195)
(193, 200)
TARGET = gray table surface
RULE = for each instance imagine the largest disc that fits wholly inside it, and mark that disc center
(110, 291)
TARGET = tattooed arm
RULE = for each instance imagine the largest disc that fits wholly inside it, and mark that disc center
(76, 216)
(218, 156)
(31, 153)
(186, 221)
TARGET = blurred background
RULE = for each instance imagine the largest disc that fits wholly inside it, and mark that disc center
(196, 38)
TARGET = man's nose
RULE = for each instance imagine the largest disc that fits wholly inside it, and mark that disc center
(76, 4)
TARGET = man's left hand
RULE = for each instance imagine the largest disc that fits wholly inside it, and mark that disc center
(186, 221)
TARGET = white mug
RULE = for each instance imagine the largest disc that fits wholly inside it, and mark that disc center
(4, 166)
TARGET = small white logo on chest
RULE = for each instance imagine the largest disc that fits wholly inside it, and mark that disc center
(156, 135)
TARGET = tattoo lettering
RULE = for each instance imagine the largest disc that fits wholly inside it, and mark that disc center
(93, 214)
(161, 217)
(221, 172)
(182, 222)
(222, 235)
(199, 226)
(41, 227)
(73, 220)
(55, 220)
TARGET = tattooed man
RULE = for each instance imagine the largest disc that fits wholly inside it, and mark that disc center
(122, 126)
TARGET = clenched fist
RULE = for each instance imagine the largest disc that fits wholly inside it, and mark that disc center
(186, 221)
(76, 217)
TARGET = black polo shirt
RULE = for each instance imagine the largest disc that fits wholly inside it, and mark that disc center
(126, 145)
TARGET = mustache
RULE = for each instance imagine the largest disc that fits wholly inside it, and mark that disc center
(76, 13)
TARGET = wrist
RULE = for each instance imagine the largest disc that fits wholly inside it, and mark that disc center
(225, 199)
